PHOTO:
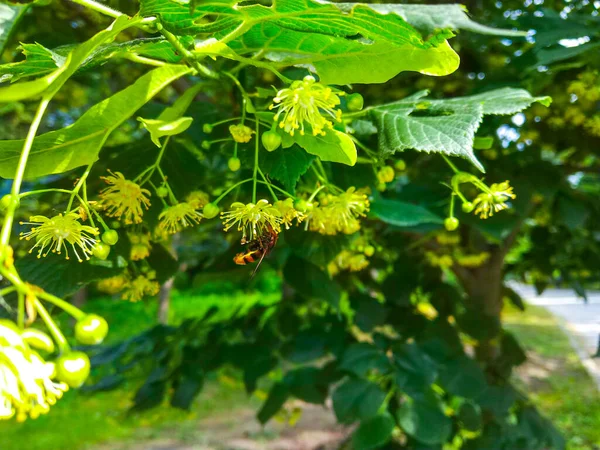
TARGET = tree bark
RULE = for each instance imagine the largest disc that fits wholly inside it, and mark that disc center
(164, 301)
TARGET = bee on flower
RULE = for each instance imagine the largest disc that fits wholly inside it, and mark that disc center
(27, 388)
(60, 232)
(174, 218)
(124, 198)
(139, 288)
(494, 200)
(307, 103)
(253, 220)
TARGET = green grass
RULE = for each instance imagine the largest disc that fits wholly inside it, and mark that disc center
(80, 421)
(555, 378)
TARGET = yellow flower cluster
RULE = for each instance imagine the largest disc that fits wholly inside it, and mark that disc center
(140, 246)
(288, 212)
(60, 232)
(174, 218)
(112, 285)
(124, 199)
(241, 133)
(307, 103)
(488, 203)
(442, 261)
(198, 199)
(445, 238)
(27, 388)
(253, 220)
(140, 287)
(474, 260)
(339, 213)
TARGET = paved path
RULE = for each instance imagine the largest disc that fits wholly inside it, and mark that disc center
(581, 320)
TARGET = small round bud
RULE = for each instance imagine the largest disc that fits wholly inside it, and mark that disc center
(381, 187)
(101, 251)
(309, 79)
(468, 207)
(386, 174)
(110, 237)
(451, 223)
(234, 164)
(271, 140)
(207, 128)
(400, 165)
(369, 250)
(162, 191)
(206, 145)
(210, 210)
(7, 201)
(302, 205)
(355, 102)
(91, 329)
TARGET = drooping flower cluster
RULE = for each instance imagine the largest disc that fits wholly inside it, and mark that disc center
(288, 212)
(174, 218)
(112, 285)
(140, 246)
(140, 287)
(355, 257)
(488, 203)
(198, 199)
(241, 133)
(339, 213)
(58, 233)
(307, 103)
(27, 388)
(253, 220)
(124, 199)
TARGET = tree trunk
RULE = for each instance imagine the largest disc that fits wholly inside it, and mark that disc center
(484, 288)
(164, 301)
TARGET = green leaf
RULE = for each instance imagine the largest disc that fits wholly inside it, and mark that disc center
(9, 17)
(357, 399)
(373, 433)
(463, 377)
(79, 144)
(362, 358)
(445, 126)
(387, 44)
(51, 83)
(278, 395)
(63, 277)
(334, 146)
(415, 371)
(315, 247)
(161, 128)
(469, 416)
(40, 61)
(424, 422)
(310, 281)
(402, 214)
(429, 18)
(305, 384)
(286, 165)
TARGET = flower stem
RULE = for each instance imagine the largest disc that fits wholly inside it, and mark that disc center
(63, 345)
(452, 166)
(99, 7)
(77, 187)
(16, 186)
(65, 306)
(268, 185)
(220, 197)
(254, 176)
(277, 188)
